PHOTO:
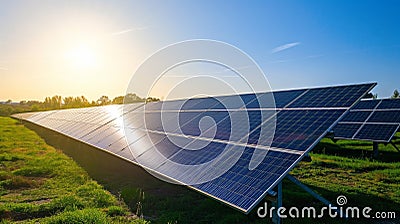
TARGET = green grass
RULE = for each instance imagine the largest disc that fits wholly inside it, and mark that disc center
(40, 184)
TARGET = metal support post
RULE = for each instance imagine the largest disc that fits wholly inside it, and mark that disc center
(375, 150)
(275, 218)
(394, 145)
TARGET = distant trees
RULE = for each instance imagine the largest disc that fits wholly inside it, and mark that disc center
(395, 94)
(371, 96)
(118, 100)
(132, 98)
(152, 99)
(103, 100)
(54, 102)
(75, 102)
(58, 102)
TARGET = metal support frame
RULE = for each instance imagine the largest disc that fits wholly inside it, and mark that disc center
(275, 218)
(314, 194)
(375, 149)
(394, 145)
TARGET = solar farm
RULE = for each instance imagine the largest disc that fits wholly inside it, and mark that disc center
(277, 137)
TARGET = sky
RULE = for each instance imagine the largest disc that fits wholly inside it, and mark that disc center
(93, 48)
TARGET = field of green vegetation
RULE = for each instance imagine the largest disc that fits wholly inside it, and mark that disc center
(40, 183)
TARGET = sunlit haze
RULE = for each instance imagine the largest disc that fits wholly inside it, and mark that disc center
(92, 48)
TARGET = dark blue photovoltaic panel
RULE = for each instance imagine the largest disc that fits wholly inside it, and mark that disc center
(356, 116)
(190, 121)
(209, 152)
(389, 104)
(366, 104)
(377, 132)
(299, 129)
(341, 96)
(202, 104)
(283, 98)
(386, 112)
(164, 145)
(345, 130)
(243, 187)
(385, 116)
(253, 100)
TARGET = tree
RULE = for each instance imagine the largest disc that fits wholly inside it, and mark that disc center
(118, 100)
(370, 96)
(75, 102)
(103, 100)
(395, 94)
(68, 101)
(133, 98)
(8, 101)
(152, 99)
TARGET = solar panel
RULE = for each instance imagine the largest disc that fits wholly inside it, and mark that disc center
(385, 116)
(342, 130)
(377, 132)
(372, 120)
(301, 118)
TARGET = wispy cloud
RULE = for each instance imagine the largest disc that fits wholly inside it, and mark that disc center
(284, 47)
(278, 61)
(3, 69)
(127, 31)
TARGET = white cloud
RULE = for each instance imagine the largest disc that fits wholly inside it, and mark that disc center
(284, 47)
(127, 31)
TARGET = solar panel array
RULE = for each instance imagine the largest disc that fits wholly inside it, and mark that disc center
(371, 120)
(303, 117)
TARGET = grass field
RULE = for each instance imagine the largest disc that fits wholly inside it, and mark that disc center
(39, 183)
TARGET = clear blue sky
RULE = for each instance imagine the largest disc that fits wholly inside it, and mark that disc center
(328, 42)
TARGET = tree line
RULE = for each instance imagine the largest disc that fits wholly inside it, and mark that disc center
(58, 102)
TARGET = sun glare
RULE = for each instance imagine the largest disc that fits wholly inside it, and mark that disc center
(82, 56)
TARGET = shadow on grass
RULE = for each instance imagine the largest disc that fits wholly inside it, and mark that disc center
(356, 149)
(297, 197)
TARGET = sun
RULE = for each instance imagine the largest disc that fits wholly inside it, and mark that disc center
(82, 56)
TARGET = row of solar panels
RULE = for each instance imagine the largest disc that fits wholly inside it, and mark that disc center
(372, 120)
(301, 118)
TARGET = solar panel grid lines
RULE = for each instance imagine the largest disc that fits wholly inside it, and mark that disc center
(392, 116)
(366, 104)
(239, 187)
(375, 132)
(389, 103)
(366, 120)
(331, 97)
(372, 85)
(380, 124)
